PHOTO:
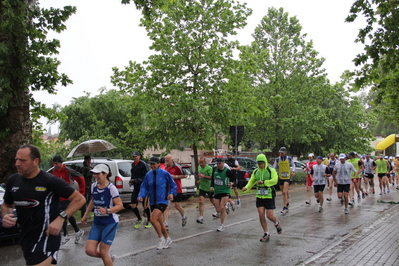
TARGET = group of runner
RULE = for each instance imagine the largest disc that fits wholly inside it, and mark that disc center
(347, 173)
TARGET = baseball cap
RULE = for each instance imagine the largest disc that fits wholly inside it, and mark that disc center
(57, 159)
(154, 160)
(342, 156)
(100, 168)
(229, 153)
(219, 160)
(311, 155)
(352, 153)
(386, 157)
(397, 155)
(283, 149)
(390, 157)
(136, 153)
(381, 155)
(320, 157)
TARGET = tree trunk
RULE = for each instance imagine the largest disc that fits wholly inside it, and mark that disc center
(15, 124)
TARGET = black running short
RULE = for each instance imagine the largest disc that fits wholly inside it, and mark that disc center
(343, 188)
(162, 207)
(202, 193)
(268, 204)
(369, 176)
(318, 188)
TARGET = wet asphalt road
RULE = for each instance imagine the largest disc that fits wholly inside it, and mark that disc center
(306, 233)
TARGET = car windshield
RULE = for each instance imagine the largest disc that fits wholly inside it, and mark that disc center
(187, 170)
(124, 168)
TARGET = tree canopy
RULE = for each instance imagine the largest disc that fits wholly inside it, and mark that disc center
(379, 63)
(27, 64)
(191, 88)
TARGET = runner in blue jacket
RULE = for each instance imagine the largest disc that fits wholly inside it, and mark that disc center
(161, 188)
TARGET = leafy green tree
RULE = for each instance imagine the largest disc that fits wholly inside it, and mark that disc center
(191, 88)
(26, 64)
(103, 116)
(379, 62)
(288, 81)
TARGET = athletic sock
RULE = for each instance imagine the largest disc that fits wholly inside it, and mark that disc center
(136, 212)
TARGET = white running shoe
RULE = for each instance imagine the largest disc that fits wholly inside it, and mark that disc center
(220, 228)
(228, 207)
(161, 243)
(168, 241)
(346, 211)
(65, 239)
(78, 236)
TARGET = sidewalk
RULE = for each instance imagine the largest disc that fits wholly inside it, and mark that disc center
(374, 244)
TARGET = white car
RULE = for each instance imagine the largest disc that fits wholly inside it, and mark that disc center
(120, 173)
(188, 184)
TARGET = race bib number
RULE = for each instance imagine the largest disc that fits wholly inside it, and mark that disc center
(218, 182)
(284, 174)
(97, 211)
(263, 191)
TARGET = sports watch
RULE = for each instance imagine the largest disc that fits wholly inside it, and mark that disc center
(64, 215)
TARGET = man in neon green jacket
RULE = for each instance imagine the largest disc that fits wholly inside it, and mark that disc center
(264, 178)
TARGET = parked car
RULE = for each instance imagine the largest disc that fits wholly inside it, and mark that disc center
(188, 184)
(120, 173)
(7, 233)
(299, 166)
(247, 166)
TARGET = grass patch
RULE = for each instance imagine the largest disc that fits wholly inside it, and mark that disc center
(389, 202)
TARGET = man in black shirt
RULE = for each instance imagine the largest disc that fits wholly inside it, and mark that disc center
(138, 172)
(35, 196)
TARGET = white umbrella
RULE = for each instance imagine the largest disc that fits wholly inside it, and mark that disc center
(91, 146)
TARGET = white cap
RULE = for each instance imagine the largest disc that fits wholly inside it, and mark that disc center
(311, 155)
(100, 168)
(386, 157)
(390, 157)
(397, 155)
(342, 156)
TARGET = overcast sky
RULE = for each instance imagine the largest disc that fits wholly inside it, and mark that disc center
(104, 33)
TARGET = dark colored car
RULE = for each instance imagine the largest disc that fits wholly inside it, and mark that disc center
(247, 166)
(7, 233)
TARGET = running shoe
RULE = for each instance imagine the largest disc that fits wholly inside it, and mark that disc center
(78, 235)
(373, 191)
(363, 195)
(238, 203)
(184, 221)
(397, 187)
(320, 209)
(265, 237)
(307, 201)
(318, 201)
(329, 199)
(233, 207)
(346, 211)
(148, 225)
(284, 210)
(161, 243)
(366, 193)
(278, 227)
(381, 193)
(388, 190)
(167, 243)
(138, 224)
(65, 239)
(200, 220)
(113, 258)
(358, 199)
(350, 202)
(342, 201)
(228, 207)
(215, 215)
(220, 228)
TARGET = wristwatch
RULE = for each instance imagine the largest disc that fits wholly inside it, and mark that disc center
(64, 215)
(108, 211)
